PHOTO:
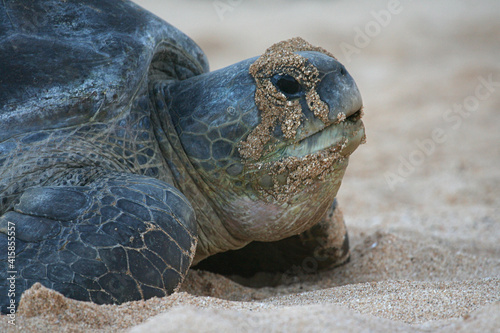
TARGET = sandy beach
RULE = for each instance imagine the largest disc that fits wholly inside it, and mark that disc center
(421, 199)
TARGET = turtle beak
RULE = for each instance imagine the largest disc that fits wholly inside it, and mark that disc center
(338, 89)
(344, 126)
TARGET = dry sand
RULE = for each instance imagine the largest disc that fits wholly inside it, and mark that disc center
(425, 245)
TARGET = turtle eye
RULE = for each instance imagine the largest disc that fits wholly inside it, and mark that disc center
(287, 85)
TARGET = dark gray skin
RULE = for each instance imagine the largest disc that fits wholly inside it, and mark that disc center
(120, 161)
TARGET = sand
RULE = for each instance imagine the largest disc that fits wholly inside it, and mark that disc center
(421, 199)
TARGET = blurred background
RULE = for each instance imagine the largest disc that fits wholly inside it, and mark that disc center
(429, 74)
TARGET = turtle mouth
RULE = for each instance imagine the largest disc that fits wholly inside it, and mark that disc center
(314, 162)
(355, 116)
(346, 134)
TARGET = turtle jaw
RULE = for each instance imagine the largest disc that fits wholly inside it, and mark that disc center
(311, 168)
(347, 134)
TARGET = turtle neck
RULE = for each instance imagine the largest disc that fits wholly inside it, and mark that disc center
(213, 236)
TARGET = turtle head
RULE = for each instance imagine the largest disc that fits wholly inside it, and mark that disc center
(270, 137)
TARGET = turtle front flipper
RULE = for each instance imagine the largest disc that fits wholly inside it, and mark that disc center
(121, 238)
(323, 246)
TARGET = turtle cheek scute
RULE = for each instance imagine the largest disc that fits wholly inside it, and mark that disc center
(235, 169)
(212, 112)
(196, 146)
(221, 149)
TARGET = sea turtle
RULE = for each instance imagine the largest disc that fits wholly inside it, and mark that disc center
(124, 161)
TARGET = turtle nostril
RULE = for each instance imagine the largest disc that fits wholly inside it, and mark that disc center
(343, 72)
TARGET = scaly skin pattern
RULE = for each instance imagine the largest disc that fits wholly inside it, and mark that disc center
(72, 156)
(115, 244)
(95, 214)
